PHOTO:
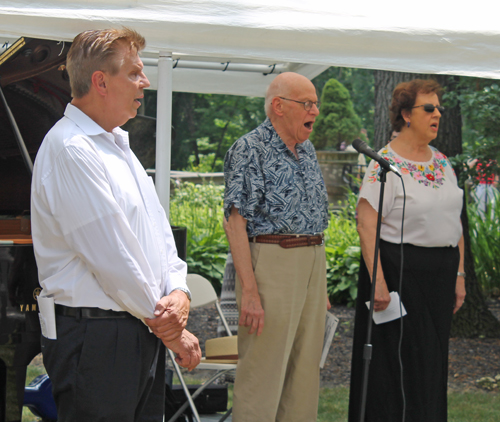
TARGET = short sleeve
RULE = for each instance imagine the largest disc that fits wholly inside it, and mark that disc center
(244, 181)
(370, 188)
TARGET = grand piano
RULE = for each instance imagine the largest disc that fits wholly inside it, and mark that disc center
(34, 92)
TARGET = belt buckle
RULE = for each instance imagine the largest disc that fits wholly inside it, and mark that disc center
(322, 238)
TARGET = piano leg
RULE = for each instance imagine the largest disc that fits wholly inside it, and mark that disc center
(14, 360)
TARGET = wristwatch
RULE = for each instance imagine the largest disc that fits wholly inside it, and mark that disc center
(461, 274)
(183, 289)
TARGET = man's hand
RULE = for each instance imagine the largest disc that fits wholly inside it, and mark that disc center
(171, 313)
(187, 349)
(252, 313)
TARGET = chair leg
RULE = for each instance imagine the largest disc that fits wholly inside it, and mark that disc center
(226, 415)
(198, 392)
(186, 392)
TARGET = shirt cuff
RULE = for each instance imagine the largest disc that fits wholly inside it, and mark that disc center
(175, 281)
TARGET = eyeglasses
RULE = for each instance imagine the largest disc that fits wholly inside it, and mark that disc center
(307, 104)
(429, 108)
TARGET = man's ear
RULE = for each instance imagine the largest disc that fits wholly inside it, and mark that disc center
(277, 106)
(99, 82)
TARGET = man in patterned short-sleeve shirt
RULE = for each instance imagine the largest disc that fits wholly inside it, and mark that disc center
(276, 208)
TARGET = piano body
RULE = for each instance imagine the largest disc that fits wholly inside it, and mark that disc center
(34, 93)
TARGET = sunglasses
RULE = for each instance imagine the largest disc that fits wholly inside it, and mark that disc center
(429, 108)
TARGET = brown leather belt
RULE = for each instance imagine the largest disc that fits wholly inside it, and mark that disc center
(289, 240)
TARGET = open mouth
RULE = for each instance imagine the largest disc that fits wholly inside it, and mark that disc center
(309, 125)
(435, 126)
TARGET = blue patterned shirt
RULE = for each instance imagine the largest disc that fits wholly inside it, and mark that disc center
(275, 192)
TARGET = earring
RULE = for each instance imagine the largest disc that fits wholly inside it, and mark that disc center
(408, 123)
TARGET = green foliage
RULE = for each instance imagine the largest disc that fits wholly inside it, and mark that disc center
(337, 121)
(200, 209)
(485, 244)
(205, 161)
(206, 125)
(343, 254)
(361, 85)
(480, 107)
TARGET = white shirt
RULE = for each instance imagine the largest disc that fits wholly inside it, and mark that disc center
(100, 235)
(433, 200)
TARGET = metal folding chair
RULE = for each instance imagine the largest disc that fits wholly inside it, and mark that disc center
(203, 294)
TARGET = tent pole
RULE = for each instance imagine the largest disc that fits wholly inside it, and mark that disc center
(164, 129)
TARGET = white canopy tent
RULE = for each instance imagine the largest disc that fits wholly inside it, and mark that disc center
(260, 38)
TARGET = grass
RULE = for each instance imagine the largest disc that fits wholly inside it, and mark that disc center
(474, 406)
(333, 404)
(477, 406)
(480, 406)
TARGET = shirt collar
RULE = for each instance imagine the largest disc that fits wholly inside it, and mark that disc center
(83, 121)
(91, 128)
(276, 140)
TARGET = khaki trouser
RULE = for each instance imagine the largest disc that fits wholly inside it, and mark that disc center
(277, 378)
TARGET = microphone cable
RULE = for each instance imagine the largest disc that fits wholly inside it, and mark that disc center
(401, 303)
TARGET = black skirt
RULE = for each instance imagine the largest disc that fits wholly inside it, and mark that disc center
(428, 294)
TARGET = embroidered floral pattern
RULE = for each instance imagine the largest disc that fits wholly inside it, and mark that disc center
(429, 174)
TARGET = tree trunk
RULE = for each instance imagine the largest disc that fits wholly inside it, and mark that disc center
(385, 82)
(221, 140)
(474, 319)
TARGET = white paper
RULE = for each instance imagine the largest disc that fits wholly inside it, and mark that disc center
(392, 312)
(330, 328)
(47, 317)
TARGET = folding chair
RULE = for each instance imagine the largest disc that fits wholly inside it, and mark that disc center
(203, 294)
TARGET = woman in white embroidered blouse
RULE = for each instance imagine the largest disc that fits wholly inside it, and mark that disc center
(433, 286)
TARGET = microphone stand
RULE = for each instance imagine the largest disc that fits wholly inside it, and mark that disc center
(367, 350)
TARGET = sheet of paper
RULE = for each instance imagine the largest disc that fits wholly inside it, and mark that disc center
(392, 312)
(330, 327)
(47, 317)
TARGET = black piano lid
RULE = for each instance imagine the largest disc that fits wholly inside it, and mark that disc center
(35, 84)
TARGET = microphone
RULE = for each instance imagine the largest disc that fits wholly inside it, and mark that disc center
(363, 148)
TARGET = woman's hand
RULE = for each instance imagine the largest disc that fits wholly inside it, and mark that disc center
(382, 296)
(459, 293)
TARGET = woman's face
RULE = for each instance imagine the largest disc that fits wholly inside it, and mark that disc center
(424, 124)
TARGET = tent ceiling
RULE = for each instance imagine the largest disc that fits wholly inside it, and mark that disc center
(307, 37)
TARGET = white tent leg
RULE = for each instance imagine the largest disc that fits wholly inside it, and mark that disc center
(164, 129)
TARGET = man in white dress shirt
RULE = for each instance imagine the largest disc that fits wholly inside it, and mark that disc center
(104, 248)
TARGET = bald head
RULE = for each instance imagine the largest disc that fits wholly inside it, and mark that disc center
(285, 85)
(287, 97)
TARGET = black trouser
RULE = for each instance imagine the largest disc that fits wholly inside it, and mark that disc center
(109, 369)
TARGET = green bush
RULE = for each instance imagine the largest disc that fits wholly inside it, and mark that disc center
(337, 121)
(200, 209)
(343, 254)
(485, 244)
